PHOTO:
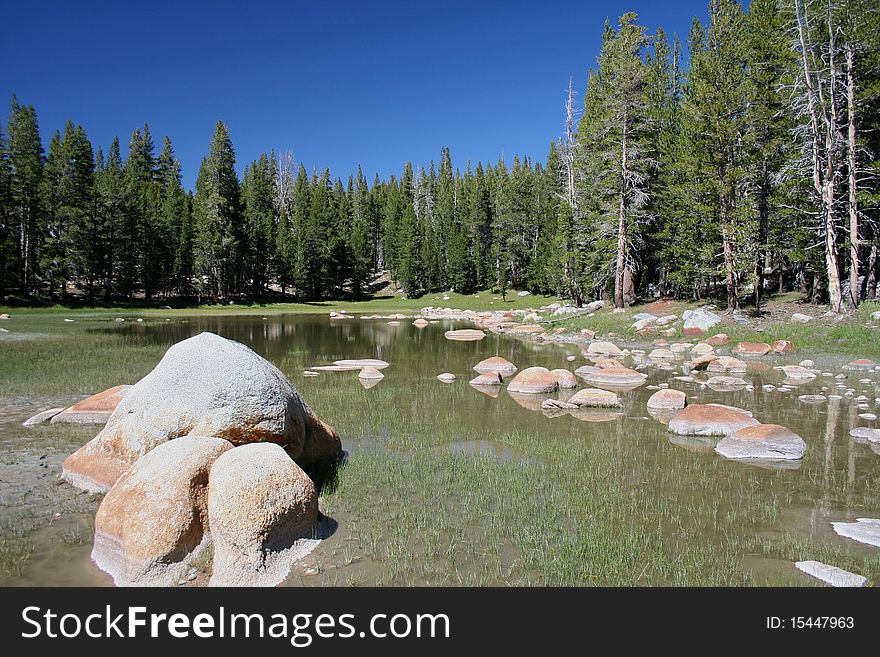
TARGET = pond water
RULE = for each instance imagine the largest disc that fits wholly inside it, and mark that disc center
(445, 484)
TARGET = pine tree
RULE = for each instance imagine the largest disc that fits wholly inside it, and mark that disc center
(614, 139)
(360, 239)
(25, 157)
(175, 223)
(258, 196)
(217, 218)
(716, 102)
(112, 214)
(767, 122)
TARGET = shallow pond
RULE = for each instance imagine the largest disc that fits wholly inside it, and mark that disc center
(445, 484)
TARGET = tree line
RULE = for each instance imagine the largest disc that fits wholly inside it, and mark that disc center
(750, 170)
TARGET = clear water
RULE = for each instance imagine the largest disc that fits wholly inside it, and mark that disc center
(411, 412)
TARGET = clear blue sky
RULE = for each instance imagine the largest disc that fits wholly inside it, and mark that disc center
(339, 83)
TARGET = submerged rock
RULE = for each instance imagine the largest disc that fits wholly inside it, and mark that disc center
(863, 530)
(203, 386)
(495, 364)
(153, 523)
(263, 513)
(709, 420)
(763, 441)
(96, 409)
(831, 574)
(533, 380)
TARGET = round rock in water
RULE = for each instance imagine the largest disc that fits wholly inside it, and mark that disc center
(446, 377)
(203, 386)
(533, 380)
(263, 513)
(495, 364)
(768, 442)
(667, 399)
(153, 524)
(708, 420)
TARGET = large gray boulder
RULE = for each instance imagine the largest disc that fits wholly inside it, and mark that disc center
(700, 319)
(203, 386)
(153, 524)
(263, 513)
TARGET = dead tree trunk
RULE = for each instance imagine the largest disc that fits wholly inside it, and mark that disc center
(852, 202)
(621, 223)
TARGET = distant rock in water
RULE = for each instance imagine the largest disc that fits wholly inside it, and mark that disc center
(533, 380)
(263, 515)
(465, 335)
(495, 364)
(203, 386)
(763, 441)
(361, 363)
(446, 377)
(709, 420)
(96, 409)
(860, 364)
(420, 323)
(153, 523)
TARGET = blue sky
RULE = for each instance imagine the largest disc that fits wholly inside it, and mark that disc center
(339, 83)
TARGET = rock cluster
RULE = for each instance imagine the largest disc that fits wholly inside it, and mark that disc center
(200, 453)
